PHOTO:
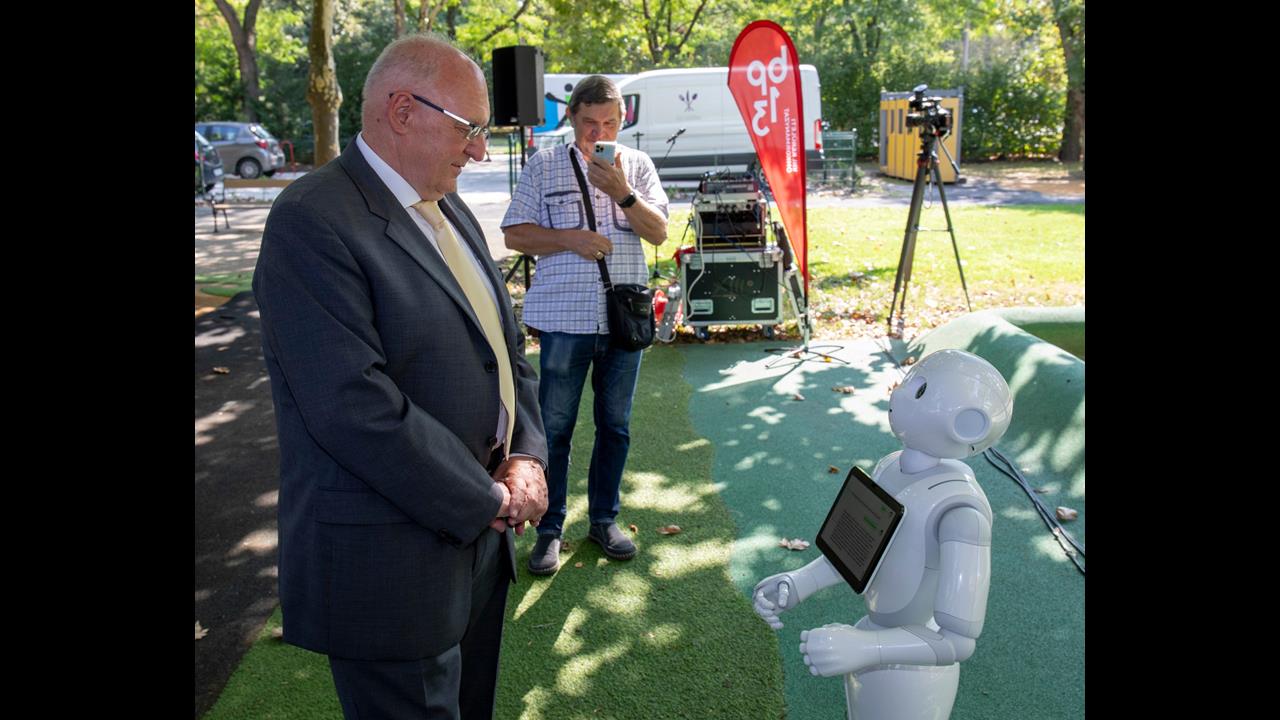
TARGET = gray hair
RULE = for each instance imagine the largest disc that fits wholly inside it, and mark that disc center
(411, 58)
(594, 90)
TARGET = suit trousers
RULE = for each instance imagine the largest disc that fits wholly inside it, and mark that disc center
(458, 684)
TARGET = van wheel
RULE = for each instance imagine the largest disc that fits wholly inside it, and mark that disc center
(248, 168)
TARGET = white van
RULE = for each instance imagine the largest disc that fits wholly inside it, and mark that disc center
(660, 103)
(556, 89)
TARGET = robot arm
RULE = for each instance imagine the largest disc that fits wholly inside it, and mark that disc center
(960, 609)
(785, 590)
(838, 649)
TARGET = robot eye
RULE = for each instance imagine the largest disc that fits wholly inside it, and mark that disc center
(920, 392)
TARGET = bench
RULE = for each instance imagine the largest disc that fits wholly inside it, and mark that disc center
(219, 208)
(261, 183)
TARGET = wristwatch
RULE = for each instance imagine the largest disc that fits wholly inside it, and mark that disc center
(627, 201)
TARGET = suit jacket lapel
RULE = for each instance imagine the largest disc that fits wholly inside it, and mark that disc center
(401, 229)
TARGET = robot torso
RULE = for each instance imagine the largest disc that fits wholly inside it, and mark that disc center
(904, 588)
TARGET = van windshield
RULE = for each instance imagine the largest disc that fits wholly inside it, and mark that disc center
(632, 116)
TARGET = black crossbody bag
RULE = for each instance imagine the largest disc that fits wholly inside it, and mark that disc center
(629, 305)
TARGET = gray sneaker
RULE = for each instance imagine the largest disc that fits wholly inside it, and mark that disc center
(545, 558)
(610, 537)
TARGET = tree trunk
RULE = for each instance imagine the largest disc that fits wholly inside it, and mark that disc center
(245, 38)
(428, 11)
(451, 21)
(323, 92)
(1070, 20)
(1073, 129)
(399, 19)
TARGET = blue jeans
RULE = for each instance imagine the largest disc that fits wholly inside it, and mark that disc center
(565, 358)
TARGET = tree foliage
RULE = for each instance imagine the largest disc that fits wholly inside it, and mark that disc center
(1016, 79)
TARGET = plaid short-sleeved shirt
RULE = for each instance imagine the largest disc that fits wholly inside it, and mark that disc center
(567, 294)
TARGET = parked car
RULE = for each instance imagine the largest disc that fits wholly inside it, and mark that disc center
(246, 148)
(208, 165)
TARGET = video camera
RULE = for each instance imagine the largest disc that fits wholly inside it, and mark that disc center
(930, 114)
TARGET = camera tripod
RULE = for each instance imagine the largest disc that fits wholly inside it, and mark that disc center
(926, 169)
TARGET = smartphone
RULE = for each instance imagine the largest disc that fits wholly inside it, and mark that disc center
(605, 151)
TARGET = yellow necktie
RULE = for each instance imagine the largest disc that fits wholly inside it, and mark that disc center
(473, 286)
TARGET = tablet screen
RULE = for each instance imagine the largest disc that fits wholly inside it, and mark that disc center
(858, 528)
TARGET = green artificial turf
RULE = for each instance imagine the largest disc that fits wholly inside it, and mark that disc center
(276, 681)
(665, 635)
(225, 284)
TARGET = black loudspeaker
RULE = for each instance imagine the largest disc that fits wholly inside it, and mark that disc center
(517, 86)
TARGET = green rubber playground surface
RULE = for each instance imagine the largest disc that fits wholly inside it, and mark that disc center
(773, 464)
(739, 455)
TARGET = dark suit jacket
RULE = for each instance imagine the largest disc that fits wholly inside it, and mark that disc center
(386, 401)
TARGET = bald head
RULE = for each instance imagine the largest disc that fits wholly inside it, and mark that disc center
(421, 99)
(412, 61)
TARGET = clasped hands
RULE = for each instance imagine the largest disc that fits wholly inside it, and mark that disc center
(524, 489)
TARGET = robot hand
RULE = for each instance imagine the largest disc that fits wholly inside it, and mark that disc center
(773, 595)
(837, 649)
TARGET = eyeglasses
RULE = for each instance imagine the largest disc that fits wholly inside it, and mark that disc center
(473, 131)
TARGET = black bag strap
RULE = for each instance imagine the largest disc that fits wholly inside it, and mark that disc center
(591, 213)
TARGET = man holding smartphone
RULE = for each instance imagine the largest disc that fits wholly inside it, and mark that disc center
(565, 306)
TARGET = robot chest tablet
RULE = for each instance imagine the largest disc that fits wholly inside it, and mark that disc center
(914, 555)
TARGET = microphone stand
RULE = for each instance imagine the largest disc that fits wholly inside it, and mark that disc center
(671, 143)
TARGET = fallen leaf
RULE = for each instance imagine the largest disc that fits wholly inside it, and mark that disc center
(200, 632)
(578, 564)
(1042, 490)
(796, 544)
(278, 633)
(833, 469)
(634, 529)
(668, 529)
(846, 389)
(222, 370)
(797, 396)
(909, 361)
(1066, 513)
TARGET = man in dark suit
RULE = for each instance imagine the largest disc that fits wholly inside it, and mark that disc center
(410, 437)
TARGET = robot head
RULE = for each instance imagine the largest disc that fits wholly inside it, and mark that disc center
(952, 404)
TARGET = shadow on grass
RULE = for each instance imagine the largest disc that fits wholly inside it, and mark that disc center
(825, 277)
(663, 635)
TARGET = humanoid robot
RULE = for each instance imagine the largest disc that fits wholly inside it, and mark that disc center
(928, 598)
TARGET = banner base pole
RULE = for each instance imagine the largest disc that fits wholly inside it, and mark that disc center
(800, 305)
